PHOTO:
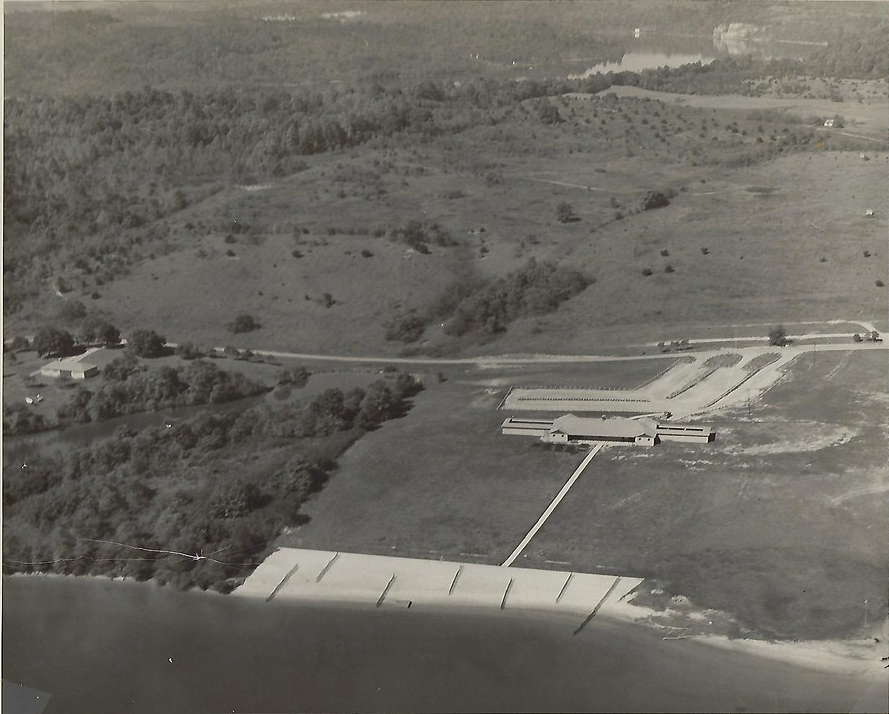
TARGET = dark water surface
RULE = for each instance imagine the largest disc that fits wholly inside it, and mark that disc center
(100, 646)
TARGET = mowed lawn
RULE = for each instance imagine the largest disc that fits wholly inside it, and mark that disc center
(782, 522)
(441, 482)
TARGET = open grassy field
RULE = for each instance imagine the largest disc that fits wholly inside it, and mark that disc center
(440, 482)
(780, 523)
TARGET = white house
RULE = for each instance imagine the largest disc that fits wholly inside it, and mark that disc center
(70, 368)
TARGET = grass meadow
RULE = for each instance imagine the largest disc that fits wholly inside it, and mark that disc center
(780, 240)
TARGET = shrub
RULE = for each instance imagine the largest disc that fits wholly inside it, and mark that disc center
(646, 272)
(72, 310)
(189, 351)
(669, 269)
(94, 330)
(294, 376)
(243, 323)
(366, 253)
(19, 343)
(407, 328)
(879, 283)
(50, 340)
(778, 336)
(654, 199)
(564, 213)
(147, 343)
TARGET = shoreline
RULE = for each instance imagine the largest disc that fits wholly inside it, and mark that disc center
(858, 658)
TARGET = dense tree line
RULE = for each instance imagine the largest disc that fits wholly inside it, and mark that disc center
(535, 289)
(485, 308)
(221, 485)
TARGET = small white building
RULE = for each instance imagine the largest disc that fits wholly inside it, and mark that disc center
(70, 368)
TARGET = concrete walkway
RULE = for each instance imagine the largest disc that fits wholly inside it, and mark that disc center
(552, 506)
(292, 574)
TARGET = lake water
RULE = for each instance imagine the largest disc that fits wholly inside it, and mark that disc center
(638, 61)
(673, 50)
(100, 646)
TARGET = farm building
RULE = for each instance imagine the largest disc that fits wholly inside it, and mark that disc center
(585, 430)
(71, 368)
(526, 427)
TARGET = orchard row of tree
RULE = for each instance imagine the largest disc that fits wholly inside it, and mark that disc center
(223, 485)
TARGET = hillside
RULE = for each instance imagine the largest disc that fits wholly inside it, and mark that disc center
(385, 161)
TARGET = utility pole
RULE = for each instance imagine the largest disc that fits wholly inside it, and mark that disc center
(865, 614)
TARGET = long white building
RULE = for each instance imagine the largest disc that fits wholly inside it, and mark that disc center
(571, 429)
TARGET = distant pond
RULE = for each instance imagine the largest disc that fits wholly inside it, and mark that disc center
(639, 61)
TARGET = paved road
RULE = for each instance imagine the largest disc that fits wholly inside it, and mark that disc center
(494, 360)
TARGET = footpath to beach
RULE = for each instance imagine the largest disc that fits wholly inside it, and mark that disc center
(292, 574)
